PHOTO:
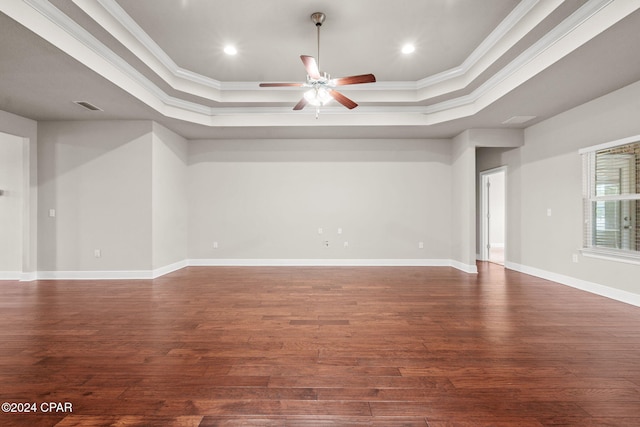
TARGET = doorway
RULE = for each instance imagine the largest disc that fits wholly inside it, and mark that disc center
(11, 206)
(493, 197)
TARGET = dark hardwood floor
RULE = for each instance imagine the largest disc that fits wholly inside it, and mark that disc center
(227, 346)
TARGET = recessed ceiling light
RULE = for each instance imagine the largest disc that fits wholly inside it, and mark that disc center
(230, 50)
(408, 48)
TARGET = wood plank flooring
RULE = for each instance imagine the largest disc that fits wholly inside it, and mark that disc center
(271, 346)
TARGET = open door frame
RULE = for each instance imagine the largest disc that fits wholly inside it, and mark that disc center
(484, 209)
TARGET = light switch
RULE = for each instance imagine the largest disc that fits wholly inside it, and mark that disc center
(52, 213)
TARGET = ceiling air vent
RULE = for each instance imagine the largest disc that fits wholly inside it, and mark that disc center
(87, 105)
(518, 120)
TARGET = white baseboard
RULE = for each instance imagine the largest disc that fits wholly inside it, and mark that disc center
(158, 272)
(95, 275)
(29, 277)
(18, 276)
(10, 275)
(320, 262)
(169, 268)
(594, 288)
(471, 269)
(334, 263)
(110, 275)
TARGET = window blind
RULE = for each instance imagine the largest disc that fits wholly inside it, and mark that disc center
(611, 197)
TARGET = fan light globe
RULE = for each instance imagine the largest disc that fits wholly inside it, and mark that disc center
(317, 96)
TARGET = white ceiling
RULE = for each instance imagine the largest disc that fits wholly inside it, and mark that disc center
(357, 37)
(476, 64)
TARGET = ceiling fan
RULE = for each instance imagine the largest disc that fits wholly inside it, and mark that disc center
(321, 85)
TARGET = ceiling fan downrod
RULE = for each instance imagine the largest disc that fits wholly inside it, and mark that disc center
(318, 18)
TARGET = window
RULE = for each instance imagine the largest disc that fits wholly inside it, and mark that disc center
(611, 199)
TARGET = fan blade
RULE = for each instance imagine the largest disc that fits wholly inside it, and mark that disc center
(281, 84)
(343, 99)
(353, 80)
(301, 104)
(311, 66)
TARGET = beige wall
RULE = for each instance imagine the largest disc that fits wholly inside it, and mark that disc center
(551, 171)
(127, 191)
(546, 173)
(97, 177)
(267, 199)
(169, 197)
(463, 214)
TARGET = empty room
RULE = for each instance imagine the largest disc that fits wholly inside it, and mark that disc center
(320, 213)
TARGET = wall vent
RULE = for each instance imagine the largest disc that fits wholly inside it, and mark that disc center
(518, 120)
(87, 105)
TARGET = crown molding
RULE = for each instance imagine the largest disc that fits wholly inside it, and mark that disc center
(132, 36)
(59, 29)
(485, 47)
(527, 58)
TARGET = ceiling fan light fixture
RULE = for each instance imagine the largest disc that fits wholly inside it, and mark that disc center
(318, 96)
(230, 50)
(321, 86)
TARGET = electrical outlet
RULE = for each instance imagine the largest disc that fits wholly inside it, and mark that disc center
(97, 253)
(574, 257)
(420, 245)
(326, 243)
(320, 230)
(346, 244)
(339, 230)
(215, 245)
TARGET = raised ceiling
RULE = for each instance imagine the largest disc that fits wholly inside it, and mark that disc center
(476, 63)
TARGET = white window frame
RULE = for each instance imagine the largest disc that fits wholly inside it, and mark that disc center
(589, 196)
